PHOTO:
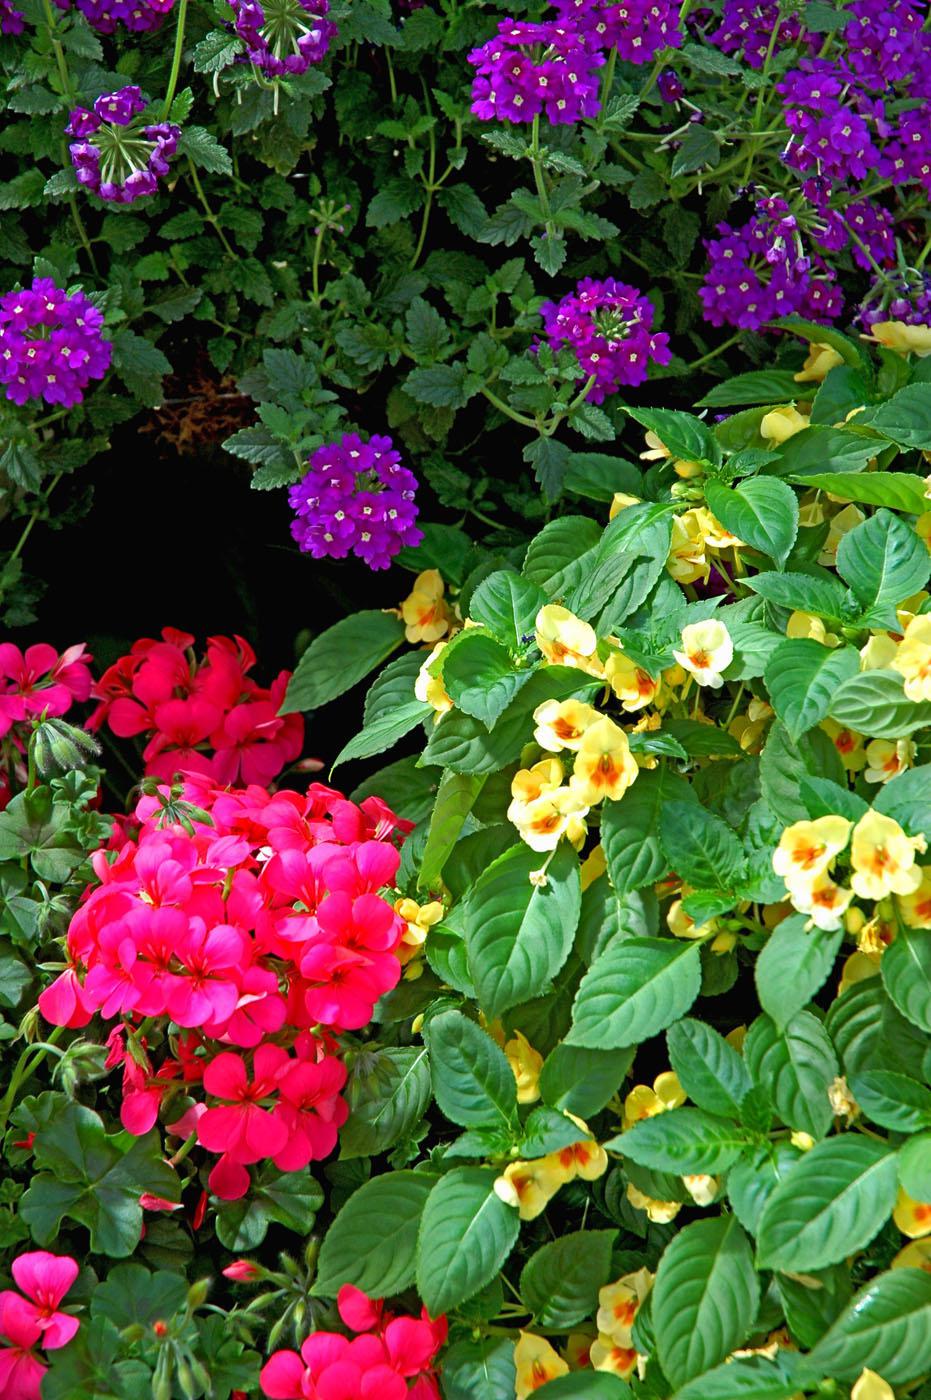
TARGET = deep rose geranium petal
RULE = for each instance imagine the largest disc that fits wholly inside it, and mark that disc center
(20, 1374)
(410, 1344)
(282, 1376)
(359, 1312)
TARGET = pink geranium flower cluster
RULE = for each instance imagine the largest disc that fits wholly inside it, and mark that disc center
(26, 1322)
(390, 1359)
(39, 681)
(200, 714)
(254, 934)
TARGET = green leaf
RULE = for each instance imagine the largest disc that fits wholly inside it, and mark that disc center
(340, 657)
(140, 365)
(454, 801)
(897, 490)
(205, 150)
(682, 1141)
(886, 1327)
(802, 677)
(507, 605)
(442, 386)
(466, 1234)
(906, 974)
(892, 1100)
(472, 1080)
(700, 149)
(630, 829)
(907, 799)
(581, 1385)
(793, 965)
(597, 476)
(636, 988)
(884, 562)
(767, 386)
(832, 1203)
(875, 703)
(825, 595)
(384, 733)
(710, 1070)
(372, 1242)
(389, 1093)
(519, 934)
(560, 1283)
(849, 350)
(560, 556)
(705, 1297)
(796, 1066)
(915, 1166)
(582, 1081)
(818, 448)
(426, 330)
(684, 436)
(481, 678)
(763, 512)
(752, 1378)
(701, 848)
(906, 417)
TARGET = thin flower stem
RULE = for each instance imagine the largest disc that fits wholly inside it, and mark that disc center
(175, 60)
(536, 159)
(506, 409)
(26, 1065)
(209, 215)
(30, 523)
(713, 354)
(429, 187)
(67, 87)
(188, 1144)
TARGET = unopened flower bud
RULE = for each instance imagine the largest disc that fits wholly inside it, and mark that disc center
(197, 1293)
(244, 1271)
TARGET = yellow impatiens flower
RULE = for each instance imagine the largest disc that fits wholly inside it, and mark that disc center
(885, 759)
(429, 689)
(660, 1212)
(842, 1100)
(418, 921)
(913, 658)
(807, 849)
(820, 360)
(716, 536)
(531, 783)
(686, 561)
(840, 525)
(750, 728)
(619, 1303)
(622, 501)
(566, 640)
(683, 925)
(562, 723)
(848, 743)
(702, 1188)
(878, 653)
(544, 821)
(586, 1158)
(657, 451)
(632, 685)
(915, 908)
(883, 857)
(644, 1102)
(916, 1255)
(607, 1355)
(923, 529)
(594, 865)
(526, 1064)
(535, 1363)
(529, 1186)
(707, 650)
(424, 611)
(825, 902)
(803, 624)
(780, 424)
(901, 337)
(604, 764)
(912, 1217)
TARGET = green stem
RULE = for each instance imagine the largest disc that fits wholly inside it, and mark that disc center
(209, 215)
(188, 1144)
(315, 266)
(392, 83)
(506, 409)
(27, 1063)
(67, 87)
(430, 187)
(175, 60)
(538, 180)
(27, 530)
(924, 254)
(713, 354)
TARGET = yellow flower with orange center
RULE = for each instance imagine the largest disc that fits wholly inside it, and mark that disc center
(840, 525)
(683, 925)
(912, 659)
(424, 612)
(886, 759)
(428, 688)
(702, 1188)
(418, 921)
(716, 536)
(878, 653)
(535, 1363)
(604, 764)
(780, 424)
(529, 1186)
(707, 650)
(526, 1064)
(915, 908)
(660, 1212)
(632, 685)
(619, 1303)
(883, 857)
(531, 783)
(912, 1217)
(823, 900)
(916, 1255)
(544, 821)
(820, 360)
(586, 1159)
(644, 1102)
(848, 743)
(566, 640)
(901, 337)
(686, 561)
(560, 724)
(807, 849)
(607, 1355)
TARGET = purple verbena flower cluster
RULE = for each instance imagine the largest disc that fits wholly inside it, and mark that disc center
(903, 296)
(609, 326)
(747, 26)
(11, 20)
(356, 497)
(760, 271)
(529, 69)
(283, 37)
(118, 157)
(638, 29)
(51, 345)
(107, 15)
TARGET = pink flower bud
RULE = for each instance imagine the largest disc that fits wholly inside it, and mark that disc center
(243, 1271)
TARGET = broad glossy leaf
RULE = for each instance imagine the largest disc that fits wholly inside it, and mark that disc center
(701, 848)
(466, 1234)
(892, 1100)
(884, 562)
(705, 1297)
(454, 801)
(373, 1240)
(802, 676)
(762, 511)
(752, 1378)
(875, 703)
(340, 657)
(710, 1070)
(796, 1066)
(886, 1327)
(582, 1081)
(560, 1283)
(472, 1080)
(897, 490)
(684, 1141)
(388, 1095)
(481, 678)
(636, 988)
(907, 798)
(906, 974)
(630, 829)
(507, 605)
(793, 965)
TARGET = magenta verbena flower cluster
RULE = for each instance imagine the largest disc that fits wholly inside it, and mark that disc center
(749, 27)
(118, 155)
(356, 498)
(51, 344)
(610, 327)
(901, 296)
(283, 37)
(107, 15)
(11, 19)
(761, 270)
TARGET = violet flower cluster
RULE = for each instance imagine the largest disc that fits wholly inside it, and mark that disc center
(356, 498)
(11, 19)
(283, 37)
(638, 29)
(761, 270)
(116, 155)
(747, 27)
(904, 296)
(610, 327)
(51, 344)
(107, 15)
